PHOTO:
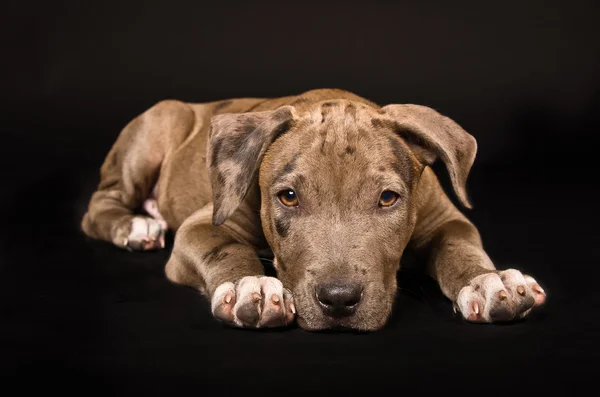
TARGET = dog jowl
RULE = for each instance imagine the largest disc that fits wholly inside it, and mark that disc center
(336, 187)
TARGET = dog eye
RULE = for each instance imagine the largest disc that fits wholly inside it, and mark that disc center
(288, 198)
(388, 198)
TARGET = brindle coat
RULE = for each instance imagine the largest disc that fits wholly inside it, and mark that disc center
(215, 171)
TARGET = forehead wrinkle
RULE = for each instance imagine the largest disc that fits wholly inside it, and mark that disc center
(329, 126)
(325, 170)
(338, 137)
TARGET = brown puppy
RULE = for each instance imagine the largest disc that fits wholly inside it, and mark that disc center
(334, 185)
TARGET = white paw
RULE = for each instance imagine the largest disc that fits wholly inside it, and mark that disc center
(146, 234)
(501, 296)
(151, 207)
(254, 302)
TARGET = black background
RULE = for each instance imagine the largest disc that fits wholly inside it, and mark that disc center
(82, 316)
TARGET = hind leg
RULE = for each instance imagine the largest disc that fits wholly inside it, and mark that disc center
(129, 174)
(151, 207)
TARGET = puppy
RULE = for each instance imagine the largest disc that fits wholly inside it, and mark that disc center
(330, 185)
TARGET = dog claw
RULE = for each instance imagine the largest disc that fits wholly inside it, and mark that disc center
(521, 290)
(476, 307)
(275, 299)
(227, 298)
(256, 297)
(502, 295)
(293, 308)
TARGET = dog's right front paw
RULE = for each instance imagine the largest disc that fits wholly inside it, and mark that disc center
(254, 302)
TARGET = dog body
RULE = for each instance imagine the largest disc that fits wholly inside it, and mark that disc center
(335, 186)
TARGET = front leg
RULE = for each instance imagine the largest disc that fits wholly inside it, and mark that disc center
(223, 265)
(466, 275)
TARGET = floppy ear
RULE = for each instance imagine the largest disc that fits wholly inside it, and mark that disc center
(433, 135)
(236, 145)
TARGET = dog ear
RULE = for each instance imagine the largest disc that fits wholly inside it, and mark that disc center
(432, 135)
(236, 145)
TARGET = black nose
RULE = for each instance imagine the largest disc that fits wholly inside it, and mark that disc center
(339, 300)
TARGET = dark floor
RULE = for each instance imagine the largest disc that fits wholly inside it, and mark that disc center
(83, 316)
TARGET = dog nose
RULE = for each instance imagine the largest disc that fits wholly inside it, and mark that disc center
(339, 300)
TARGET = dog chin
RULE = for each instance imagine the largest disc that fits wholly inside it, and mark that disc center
(370, 316)
(347, 324)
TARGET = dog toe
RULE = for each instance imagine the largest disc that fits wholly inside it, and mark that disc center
(539, 294)
(223, 301)
(249, 313)
(276, 306)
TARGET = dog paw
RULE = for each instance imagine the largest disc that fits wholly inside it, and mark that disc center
(151, 207)
(501, 296)
(145, 234)
(254, 302)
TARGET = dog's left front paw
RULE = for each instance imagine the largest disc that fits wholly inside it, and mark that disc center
(499, 296)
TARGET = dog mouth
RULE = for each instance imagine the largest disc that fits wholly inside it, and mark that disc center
(326, 324)
(355, 312)
(340, 299)
(334, 327)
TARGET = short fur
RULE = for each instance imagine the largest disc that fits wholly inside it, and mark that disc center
(215, 170)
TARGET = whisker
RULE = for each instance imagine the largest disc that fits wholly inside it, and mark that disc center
(412, 293)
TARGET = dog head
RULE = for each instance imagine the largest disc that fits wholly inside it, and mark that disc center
(338, 183)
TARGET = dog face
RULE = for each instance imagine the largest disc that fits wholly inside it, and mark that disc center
(338, 185)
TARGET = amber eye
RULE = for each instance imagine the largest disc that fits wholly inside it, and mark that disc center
(388, 198)
(288, 198)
